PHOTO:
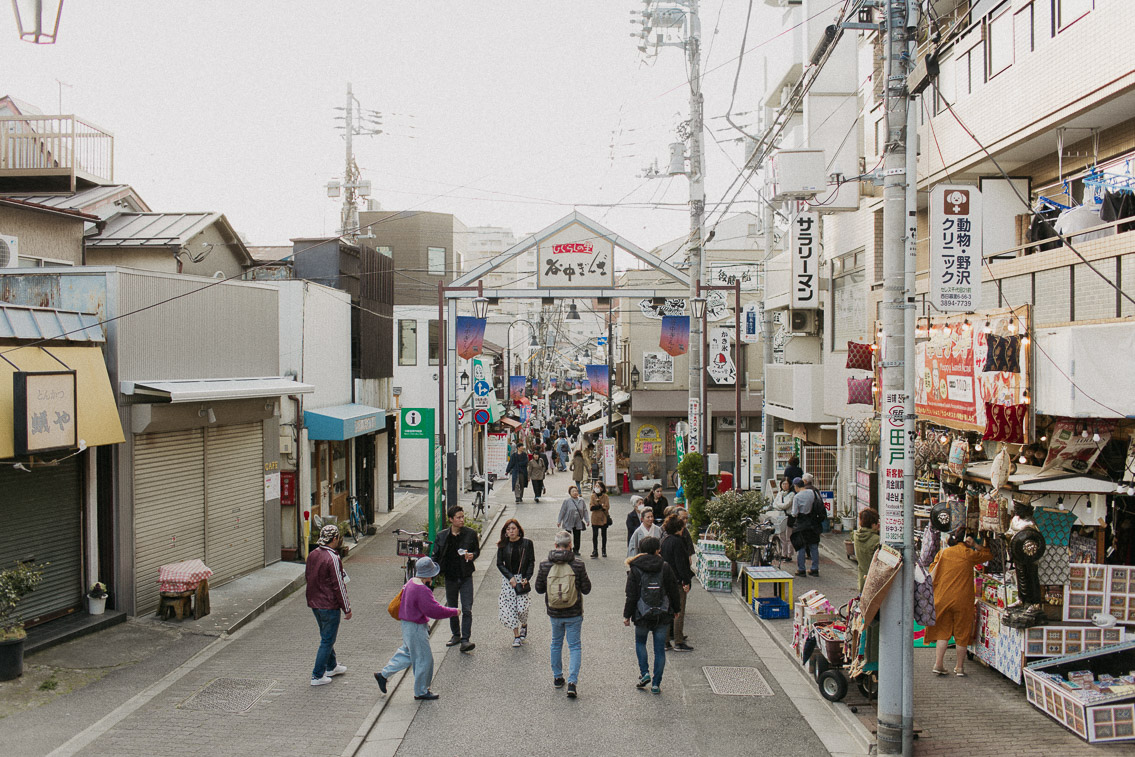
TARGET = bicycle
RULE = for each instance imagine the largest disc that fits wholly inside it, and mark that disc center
(765, 546)
(480, 495)
(355, 513)
(411, 547)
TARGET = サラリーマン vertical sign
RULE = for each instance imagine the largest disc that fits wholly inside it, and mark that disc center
(804, 241)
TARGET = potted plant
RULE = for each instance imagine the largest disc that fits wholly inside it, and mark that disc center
(96, 598)
(15, 583)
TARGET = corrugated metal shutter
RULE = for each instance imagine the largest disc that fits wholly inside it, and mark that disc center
(169, 507)
(42, 516)
(234, 499)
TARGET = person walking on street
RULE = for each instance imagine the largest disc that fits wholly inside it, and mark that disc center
(657, 502)
(674, 552)
(563, 449)
(634, 517)
(600, 509)
(327, 596)
(573, 516)
(781, 504)
(455, 550)
(537, 467)
(563, 581)
(652, 594)
(793, 471)
(415, 611)
(645, 529)
(578, 468)
(953, 599)
(549, 457)
(518, 469)
(806, 520)
(866, 540)
(516, 558)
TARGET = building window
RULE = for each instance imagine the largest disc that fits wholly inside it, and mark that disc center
(1070, 11)
(1024, 27)
(435, 261)
(385, 250)
(407, 342)
(433, 343)
(849, 298)
(999, 46)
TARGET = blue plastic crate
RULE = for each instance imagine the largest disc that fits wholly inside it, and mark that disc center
(772, 608)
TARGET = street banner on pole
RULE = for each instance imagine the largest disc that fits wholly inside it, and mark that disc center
(516, 387)
(470, 336)
(804, 244)
(751, 323)
(693, 443)
(721, 367)
(896, 447)
(675, 334)
(597, 375)
(955, 248)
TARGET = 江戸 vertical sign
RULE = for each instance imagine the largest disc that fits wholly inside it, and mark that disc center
(955, 248)
(804, 242)
(44, 412)
(575, 257)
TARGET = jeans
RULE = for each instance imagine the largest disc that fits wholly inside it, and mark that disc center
(595, 531)
(460, 588)
(573, 628)
(328, 621)
(802, 555)
(563, 460)
(414, 653)
(659, 632)
(518, 485)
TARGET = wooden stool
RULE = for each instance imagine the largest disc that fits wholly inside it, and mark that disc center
(175, 604)
(201, 600)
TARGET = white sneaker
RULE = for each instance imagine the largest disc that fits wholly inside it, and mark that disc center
(321, 681)
(338, 671)
(516, 641)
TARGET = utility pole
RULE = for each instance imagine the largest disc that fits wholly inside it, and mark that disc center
(896, 655)
(680, 17)
(356, 122)
(766, 342)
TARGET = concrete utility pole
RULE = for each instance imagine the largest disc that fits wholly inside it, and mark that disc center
(766, 342)
(356, 122)
(896, 653)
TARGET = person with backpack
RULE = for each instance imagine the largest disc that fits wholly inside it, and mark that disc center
(573, 516)
(652, 593)
(563, 581)
(675, 554)
(806, 524)
(563, 450)
(537, 467)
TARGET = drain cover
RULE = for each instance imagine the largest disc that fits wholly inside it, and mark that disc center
(737, 682)
(229, 695)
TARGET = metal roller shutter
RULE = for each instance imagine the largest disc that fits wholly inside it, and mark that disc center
(169, 507)
(234, 473)
(42, 516)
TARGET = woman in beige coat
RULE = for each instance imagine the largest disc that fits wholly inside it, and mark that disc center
(578, 468)
(600, 517)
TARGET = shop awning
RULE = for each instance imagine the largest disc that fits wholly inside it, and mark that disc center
(596, 425)
(96, 415)
(511, 422)
(342, 422)
(201, 390)
(1031, 478)
(621, 397)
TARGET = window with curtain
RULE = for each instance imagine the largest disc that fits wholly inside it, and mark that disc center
(407, 342)
(433, 342)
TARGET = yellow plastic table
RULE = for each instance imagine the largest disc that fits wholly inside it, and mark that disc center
(780, 581)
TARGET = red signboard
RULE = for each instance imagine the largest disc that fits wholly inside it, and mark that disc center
(287, 488)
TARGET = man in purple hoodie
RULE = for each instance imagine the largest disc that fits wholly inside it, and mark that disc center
(326, 596)
(417, 608)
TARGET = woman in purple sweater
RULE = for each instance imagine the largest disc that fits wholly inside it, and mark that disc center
(417, 609)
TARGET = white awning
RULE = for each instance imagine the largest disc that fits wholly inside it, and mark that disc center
(621, 397)
(1031, 478)
(597, 424)
(198, 390)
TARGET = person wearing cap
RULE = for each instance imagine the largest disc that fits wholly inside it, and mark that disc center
(417, 608)
(327, 596)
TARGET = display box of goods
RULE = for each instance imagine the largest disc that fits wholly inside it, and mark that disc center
(711, 547)
(1058, 641)
(771, 608)
(1091, 693)
(717, 584)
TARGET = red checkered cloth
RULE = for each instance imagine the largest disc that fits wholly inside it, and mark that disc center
(182, 576)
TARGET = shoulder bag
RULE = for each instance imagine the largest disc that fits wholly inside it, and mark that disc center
(395, 604)
(522, 586)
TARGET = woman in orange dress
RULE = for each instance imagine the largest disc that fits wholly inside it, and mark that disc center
(953, 600)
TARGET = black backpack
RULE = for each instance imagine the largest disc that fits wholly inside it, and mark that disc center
(653, 603)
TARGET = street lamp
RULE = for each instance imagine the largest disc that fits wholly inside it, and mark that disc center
(480, 307)
(572, 313)
(38, 20)
(697, 304)
(532, 342)
(634, 377)
(464, 380)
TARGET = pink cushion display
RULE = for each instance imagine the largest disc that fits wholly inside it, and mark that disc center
(859, 392)
(1005, 423)
(860, 356)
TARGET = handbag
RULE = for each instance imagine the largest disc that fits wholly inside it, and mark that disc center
(798, 540)
(395, 605)
(522, 587)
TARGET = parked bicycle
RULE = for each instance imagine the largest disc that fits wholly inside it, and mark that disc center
(355, 514)
(764, 545)
(411, 545)
(481, 489)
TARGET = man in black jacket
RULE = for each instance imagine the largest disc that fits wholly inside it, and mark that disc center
(455, 550)
(675, 555)
(518, 469)
(649, 577)
(566, 621)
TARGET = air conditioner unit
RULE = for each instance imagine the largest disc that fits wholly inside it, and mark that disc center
(802, 321)
(9, 252)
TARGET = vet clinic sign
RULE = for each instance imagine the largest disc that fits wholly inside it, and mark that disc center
(955, 248)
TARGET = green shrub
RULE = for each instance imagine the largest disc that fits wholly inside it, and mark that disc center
(729, 508)
(15, 582)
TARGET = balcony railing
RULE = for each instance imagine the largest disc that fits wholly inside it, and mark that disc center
(48, 152)
(795, 392)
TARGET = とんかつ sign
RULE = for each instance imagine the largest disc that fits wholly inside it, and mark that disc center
(575, 257)
(955, 248)
(44, 405)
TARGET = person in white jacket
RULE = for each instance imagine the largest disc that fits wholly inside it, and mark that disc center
(645, 529)
(781, 504)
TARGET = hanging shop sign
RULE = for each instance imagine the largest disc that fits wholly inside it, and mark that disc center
(648, 440)
(751, 323)
(1074, 444)
(895, 448)
(496, 453)
(952, 385)
(694, 434)
(804, 243)
(575, 257)
(728, 274)
(657, 368)
(955, 248)
(44, 405)
(610, 472)
(721, 367)
(716, 307)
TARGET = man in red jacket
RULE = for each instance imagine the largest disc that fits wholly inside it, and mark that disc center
(326, 596)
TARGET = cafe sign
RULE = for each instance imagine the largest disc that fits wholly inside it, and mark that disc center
(44, 412)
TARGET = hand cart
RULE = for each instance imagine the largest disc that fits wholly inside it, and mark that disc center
(845, 653)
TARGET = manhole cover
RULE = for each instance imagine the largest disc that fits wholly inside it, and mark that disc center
(229, 695)
(737, 682)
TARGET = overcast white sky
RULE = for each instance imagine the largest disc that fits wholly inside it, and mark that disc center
(521, 109)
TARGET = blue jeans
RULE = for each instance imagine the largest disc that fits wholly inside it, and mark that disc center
(802, 555)
(414, 653)
(328, 621)
(572, 627)
(659, 632)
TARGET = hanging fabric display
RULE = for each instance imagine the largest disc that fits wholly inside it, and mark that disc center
(1003, 354)
(959, 457)
(859, 391)
(470, 336)
(675, 338)
(860, 357)
(1005, 423)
